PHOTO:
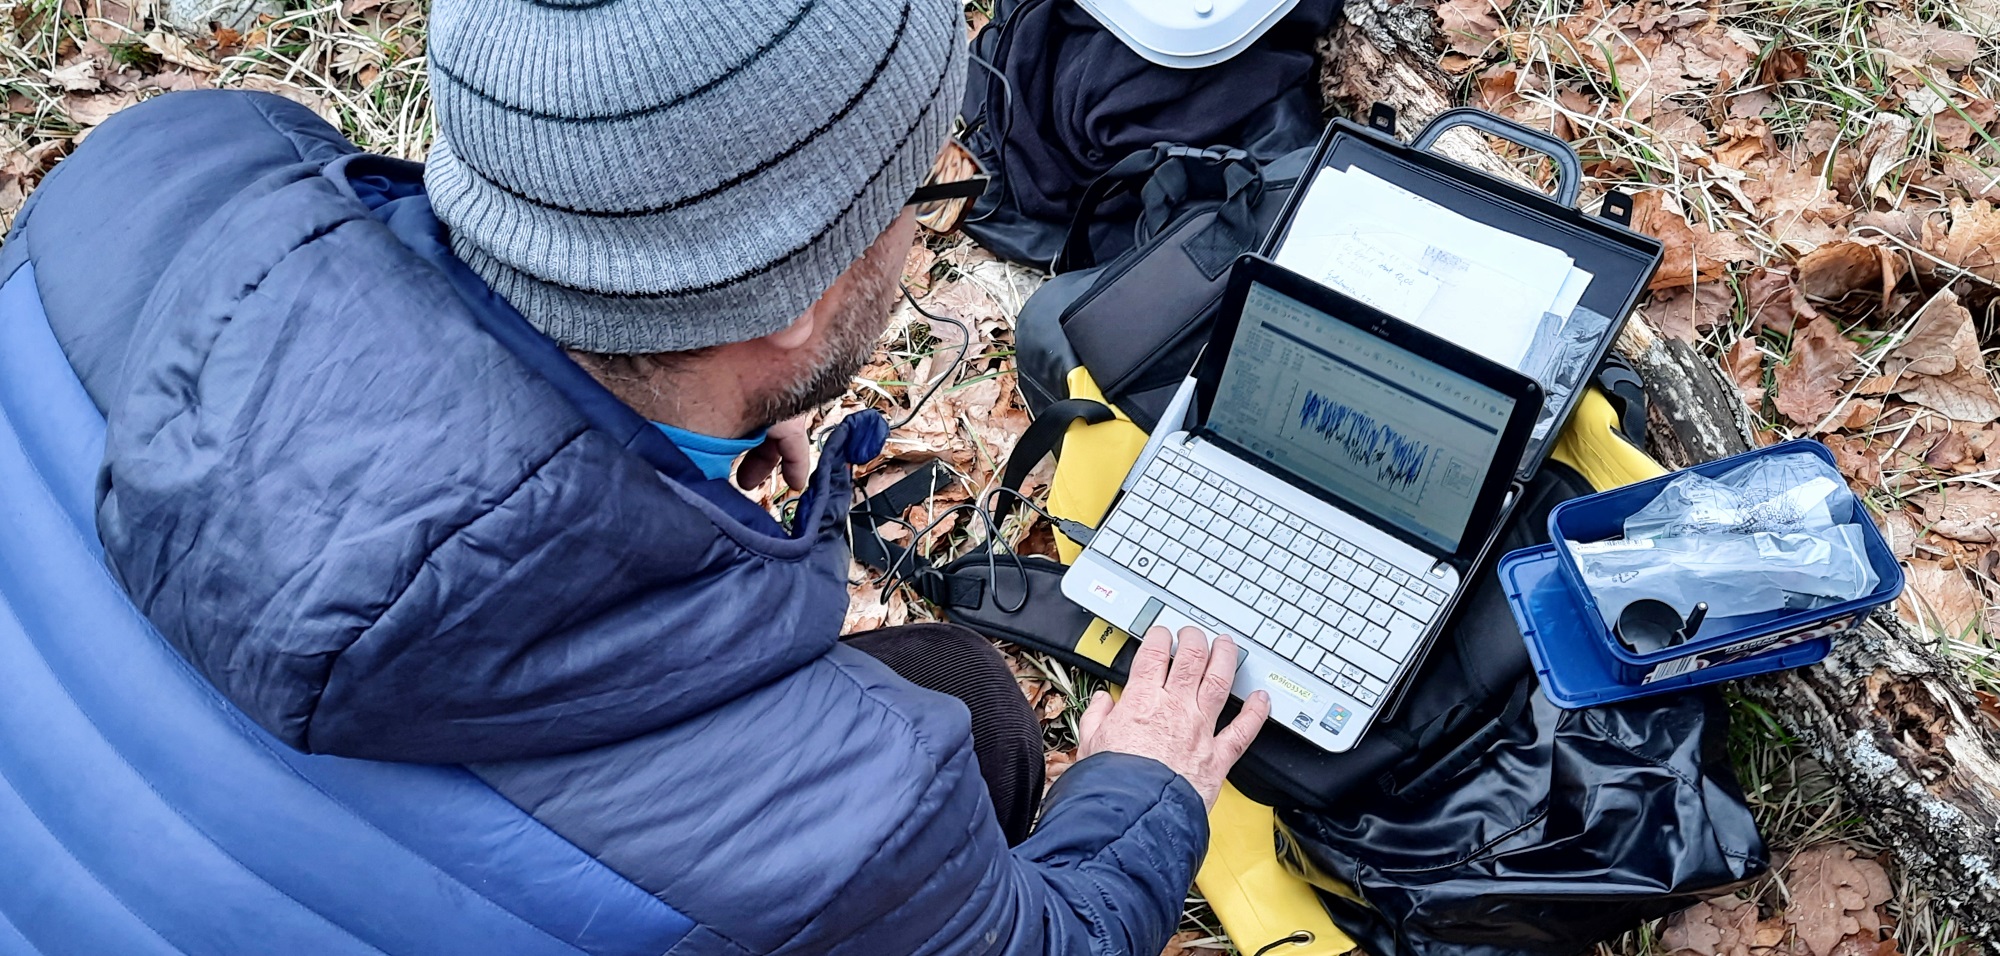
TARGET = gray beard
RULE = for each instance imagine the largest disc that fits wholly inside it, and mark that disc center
(850, 343)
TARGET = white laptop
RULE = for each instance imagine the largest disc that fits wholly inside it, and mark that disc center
(1340, 473)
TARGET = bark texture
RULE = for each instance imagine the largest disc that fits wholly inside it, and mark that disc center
(1891, 719)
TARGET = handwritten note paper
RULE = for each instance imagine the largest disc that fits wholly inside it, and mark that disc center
(1376, 275)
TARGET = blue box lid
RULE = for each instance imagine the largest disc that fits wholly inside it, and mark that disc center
(1568, 642)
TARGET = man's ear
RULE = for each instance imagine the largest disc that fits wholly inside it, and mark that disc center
(797, 334)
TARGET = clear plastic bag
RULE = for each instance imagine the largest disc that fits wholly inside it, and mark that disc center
(1560, 359)
(1735, 574)
(1782, 494)
(1776, 534)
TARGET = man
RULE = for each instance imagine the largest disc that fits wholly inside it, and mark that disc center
(430, 464)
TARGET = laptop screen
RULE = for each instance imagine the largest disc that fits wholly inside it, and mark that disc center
(1376, 425)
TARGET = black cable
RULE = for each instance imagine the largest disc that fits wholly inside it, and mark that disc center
(1072, 529)
(993, 538)
(957, 362)
(991, 519)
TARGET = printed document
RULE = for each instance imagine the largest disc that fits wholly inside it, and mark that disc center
(1482, 288)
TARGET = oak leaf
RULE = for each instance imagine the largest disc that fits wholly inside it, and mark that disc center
(1054, 763)
(1972, 241)
(1902, 530)
(1769, 300)
(1918, 43)
(917, 269)
(292, 91)
(1838, 269)
(1718, 927)
(1470, 26)
(1963, 390)
(1184, 943)
(1686, 313)
(1692, 252)
(1969, 513)
(1782, 65)
(1927, 348)
(88, 111)
(79, 76)
(1856, 459)
(176, 50)
(1833, 896)
(1811, 382)
(1940, 600)
(865, 610)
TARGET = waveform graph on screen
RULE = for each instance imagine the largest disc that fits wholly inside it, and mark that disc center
(1364, 443)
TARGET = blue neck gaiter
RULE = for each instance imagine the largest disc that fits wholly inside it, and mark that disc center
(710, 454)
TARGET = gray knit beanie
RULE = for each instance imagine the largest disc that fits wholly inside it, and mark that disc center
(664, 175)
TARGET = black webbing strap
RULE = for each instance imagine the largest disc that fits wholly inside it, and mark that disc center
(865, 520)
(1218, 172)
(1046, 432)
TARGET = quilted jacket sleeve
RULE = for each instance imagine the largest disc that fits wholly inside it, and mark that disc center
(1108, 867)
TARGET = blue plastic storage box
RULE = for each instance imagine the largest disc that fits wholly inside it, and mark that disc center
(1582, 664)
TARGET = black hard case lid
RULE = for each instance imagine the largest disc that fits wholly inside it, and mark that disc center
(1620, 260)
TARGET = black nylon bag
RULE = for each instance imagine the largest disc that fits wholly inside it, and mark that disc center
(1138, 319)
(1053, 100)
(1476, 817)
(1567, 828)
(1470, 689)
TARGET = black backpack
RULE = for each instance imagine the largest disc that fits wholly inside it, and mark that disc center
(1053, 100)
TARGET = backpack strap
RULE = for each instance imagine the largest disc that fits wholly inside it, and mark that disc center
(1184, 174)
(1429, 777)
(865, 520)
(1046, 432)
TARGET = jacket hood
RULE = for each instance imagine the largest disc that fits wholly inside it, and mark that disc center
(383, 535)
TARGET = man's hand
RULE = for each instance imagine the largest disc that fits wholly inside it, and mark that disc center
(784, 447)
(1169, 709)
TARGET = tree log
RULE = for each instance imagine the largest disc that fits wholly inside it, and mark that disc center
(1891, 719)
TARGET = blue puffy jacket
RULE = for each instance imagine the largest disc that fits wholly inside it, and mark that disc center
(386, 521)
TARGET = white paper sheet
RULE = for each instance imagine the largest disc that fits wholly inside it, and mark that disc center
(1482, 288)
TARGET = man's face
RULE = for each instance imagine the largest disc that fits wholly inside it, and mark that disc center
(857, 310)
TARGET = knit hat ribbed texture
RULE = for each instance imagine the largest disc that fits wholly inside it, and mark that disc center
(663, 175)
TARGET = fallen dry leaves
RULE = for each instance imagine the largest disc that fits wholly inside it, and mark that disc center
(1951, 375)
(1194, 943)
(968, 414)
(1841, 263)
(1834, 908)
(1943, 600)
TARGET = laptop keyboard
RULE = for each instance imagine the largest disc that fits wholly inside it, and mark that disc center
(1299, 590)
